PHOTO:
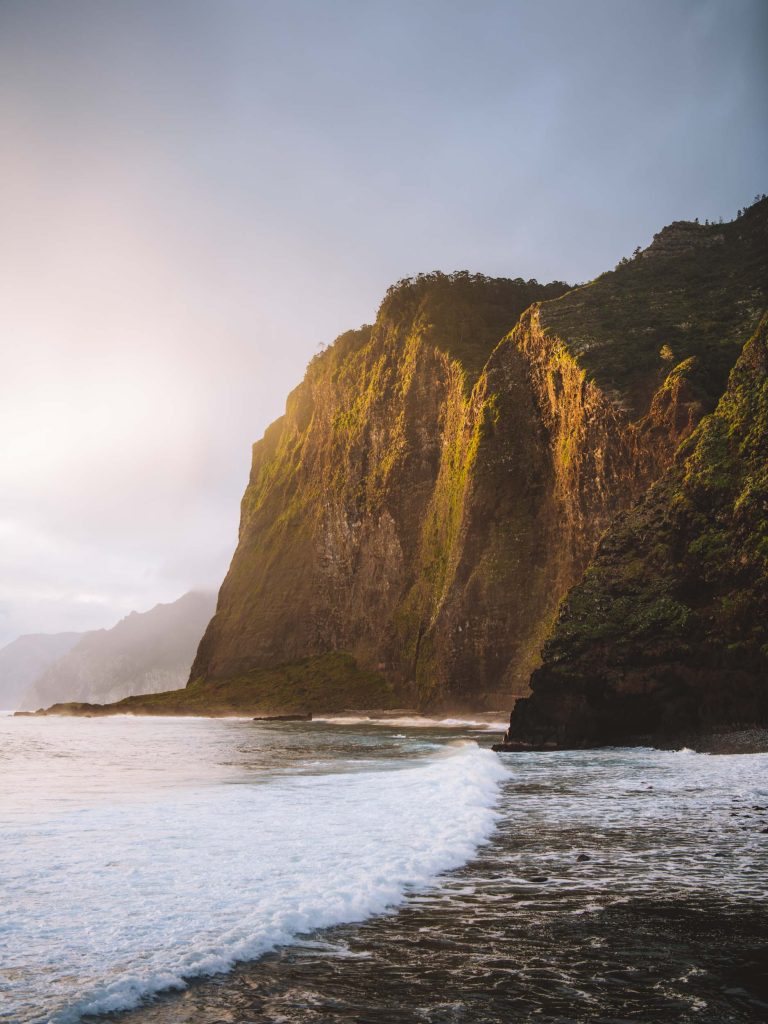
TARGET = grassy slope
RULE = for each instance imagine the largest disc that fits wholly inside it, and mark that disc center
(692, 294)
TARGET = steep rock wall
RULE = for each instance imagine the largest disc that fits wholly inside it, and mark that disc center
(667, 634)
(540, 461)
(433, 492)
(428, 526)
(353, 519)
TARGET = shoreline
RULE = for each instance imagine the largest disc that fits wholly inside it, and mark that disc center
(494, 722)
(747, 740)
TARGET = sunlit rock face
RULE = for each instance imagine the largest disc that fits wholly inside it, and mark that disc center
(144, 653)
(667, 634)
(441, 479)
(355, 522)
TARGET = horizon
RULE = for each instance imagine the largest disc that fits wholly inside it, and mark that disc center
(203, 199)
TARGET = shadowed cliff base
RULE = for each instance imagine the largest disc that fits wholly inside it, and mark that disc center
(728, 740)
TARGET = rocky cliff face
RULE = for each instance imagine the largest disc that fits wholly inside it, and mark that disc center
(354, 520)
(667, 634)
(438, 482)
(145, 652)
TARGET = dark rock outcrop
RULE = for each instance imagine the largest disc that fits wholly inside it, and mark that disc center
(283, 718)
(667, 634)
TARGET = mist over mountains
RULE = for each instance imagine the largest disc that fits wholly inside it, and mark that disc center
(26, 658)
(143, 653)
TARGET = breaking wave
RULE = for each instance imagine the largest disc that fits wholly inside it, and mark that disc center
(113, 903)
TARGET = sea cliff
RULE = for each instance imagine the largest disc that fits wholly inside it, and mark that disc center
(666, 636)
(438, 484)
(442, 479)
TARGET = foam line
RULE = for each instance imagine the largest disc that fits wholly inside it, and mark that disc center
(118, 902)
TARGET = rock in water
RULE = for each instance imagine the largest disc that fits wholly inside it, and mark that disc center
(283, 718)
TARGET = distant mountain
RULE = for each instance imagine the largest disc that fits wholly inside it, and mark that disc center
(144, 653)
(23, 660)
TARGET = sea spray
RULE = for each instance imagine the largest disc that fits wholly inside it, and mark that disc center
(114, 902)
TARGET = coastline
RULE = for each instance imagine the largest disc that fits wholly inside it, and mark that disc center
(618, 884)
(747, 740)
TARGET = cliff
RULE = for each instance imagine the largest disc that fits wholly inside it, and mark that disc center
(441, 479)
(438, 483)
(354, 521)
(145, 652)
(667, 634)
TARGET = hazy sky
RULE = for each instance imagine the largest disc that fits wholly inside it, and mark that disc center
(196, 194)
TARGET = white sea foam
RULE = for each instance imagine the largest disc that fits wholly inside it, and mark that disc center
(108, 903)
(417, 722)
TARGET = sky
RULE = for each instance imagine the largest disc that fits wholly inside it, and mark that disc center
(196, 195)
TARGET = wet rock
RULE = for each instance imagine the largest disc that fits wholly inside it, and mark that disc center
(284, 718)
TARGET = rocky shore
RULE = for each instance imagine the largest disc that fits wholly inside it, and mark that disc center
(735, 741)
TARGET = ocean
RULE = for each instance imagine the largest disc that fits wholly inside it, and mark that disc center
(160, 871)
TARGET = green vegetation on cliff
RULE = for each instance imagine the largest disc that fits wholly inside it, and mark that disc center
(690, 295)
(463, 314)
(668, 631)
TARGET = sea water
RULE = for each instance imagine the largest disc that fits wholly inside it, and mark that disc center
(359, 870)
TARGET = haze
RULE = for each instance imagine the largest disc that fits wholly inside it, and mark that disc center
(196, 195)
